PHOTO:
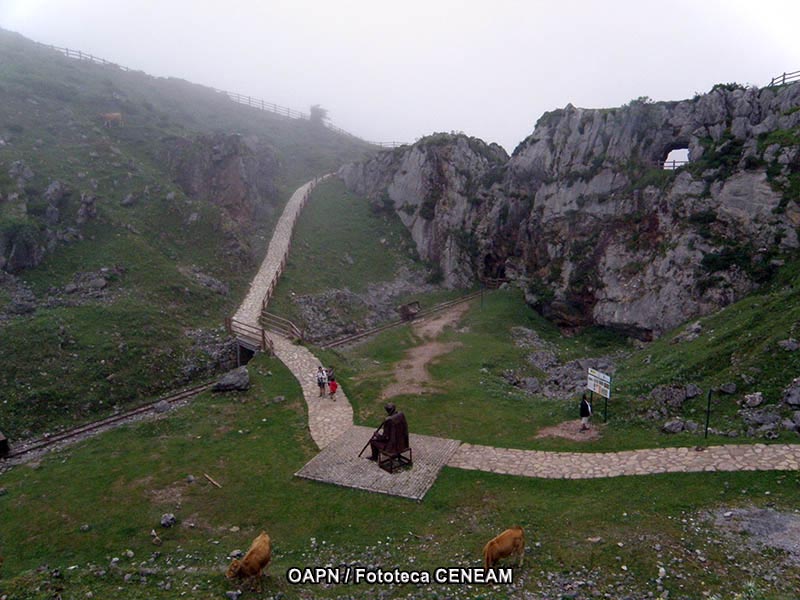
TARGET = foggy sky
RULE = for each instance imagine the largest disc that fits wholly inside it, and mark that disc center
(395, 71)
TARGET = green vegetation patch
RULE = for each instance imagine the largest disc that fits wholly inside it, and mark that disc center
(340, 241)
(89, 504)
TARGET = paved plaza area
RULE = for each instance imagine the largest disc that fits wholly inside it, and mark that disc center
(338, 463)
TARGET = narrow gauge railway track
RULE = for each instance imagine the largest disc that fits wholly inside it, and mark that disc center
(423, 313)
(77, 433)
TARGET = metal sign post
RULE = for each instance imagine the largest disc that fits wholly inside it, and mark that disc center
(600, 383)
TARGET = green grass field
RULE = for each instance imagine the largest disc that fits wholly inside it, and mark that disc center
(340, 242)
(78, 509)
(62, 364)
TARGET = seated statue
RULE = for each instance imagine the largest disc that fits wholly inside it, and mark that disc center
(392, 436)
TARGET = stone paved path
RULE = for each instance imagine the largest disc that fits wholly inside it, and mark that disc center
(340, 464)
(326, 419)
(250, 309)
(580, 465)
(329, 420)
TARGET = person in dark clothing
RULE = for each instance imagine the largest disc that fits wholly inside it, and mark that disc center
(585, 411)
(392, 436)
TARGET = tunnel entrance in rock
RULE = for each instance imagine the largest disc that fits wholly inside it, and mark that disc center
(494, 267)
(675, 158)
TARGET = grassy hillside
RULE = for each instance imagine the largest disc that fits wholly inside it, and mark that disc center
(474, 402)
(79, 354)
(340, 241)
(87, 513)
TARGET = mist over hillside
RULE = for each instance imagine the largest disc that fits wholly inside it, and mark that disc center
(125, 243)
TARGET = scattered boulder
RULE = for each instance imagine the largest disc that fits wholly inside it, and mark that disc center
(168, 520)
(531, 385)
(673, 426)
(55, 193)
(543, 360)
(233, 595)
(278, 399)
(88, 208)
(764, 416)
(753, 400)
(97, 283)
(161, 406)
(52, 215)
(728, 388)
(206, 281)
(128, 200)
(791, 394)
(689, 333)
(692, 391)
(790, 345)
(236, 380)
(691, 426)
(672, 396)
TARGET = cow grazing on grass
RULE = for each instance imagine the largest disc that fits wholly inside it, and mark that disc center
(255, 561)
(112, 118)
(511, 541)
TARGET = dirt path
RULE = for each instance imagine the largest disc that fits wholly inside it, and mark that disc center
(411, 374)
(570, 430)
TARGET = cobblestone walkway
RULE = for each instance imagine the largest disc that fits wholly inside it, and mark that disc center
(340, 464)
(580, 465)
(250, 309)
(329, 420)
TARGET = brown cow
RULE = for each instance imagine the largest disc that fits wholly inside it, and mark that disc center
(109, 118)
(511, 541)
(256, 560)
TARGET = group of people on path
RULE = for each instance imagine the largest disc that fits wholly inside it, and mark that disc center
(326, 380)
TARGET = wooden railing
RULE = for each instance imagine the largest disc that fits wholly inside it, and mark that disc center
(423, 313)
(784, 78)
(493, 283)
(671, 165)
(250, 101)
(284, 327)
(257, 336)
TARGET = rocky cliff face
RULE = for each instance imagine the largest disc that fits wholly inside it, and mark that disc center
(435, 186)
(235, 172)
(585, 218)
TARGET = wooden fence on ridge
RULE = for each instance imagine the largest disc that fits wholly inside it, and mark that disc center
(784, 78)
(257, 103)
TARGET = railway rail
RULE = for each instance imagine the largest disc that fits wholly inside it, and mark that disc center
(82, 431)
(423, 313)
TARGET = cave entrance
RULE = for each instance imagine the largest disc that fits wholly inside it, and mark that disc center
(676, 158)
(244, 355)
(494, 267)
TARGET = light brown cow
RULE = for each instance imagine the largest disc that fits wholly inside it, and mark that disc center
(511, 541)
(110, 118)
(256, 560)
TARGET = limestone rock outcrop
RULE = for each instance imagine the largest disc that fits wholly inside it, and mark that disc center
(584, 217)
(235, 172)
(435, 188)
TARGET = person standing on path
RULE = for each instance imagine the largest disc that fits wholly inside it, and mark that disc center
(332, 385)
(585, 412)
(322, 380)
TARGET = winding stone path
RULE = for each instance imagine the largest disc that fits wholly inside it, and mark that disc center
(329, 420)
(584, 465)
